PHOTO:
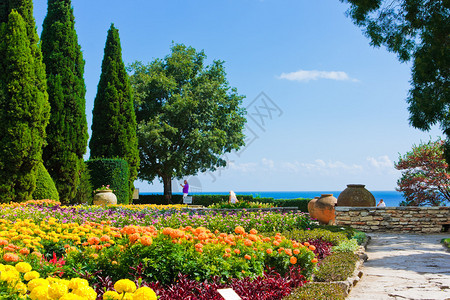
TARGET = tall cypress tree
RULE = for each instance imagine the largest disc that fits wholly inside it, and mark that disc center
(24, 109)
(67, 130)
(113, 118)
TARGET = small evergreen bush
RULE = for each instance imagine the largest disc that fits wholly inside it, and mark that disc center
(346, 246)
(317, 291)
(113, 172)
(45, 186)
(336, 267)
(335, 238)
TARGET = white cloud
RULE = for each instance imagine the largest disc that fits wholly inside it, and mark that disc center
(381, 162)
(268, 162)
(303, 75)
(245, 167)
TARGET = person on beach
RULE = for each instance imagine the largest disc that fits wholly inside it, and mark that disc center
(233, 199)
(185, 189)
(381, 203)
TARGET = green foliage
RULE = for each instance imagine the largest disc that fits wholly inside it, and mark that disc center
(113, 118)
(300, 235)
(446, 242)
(187, 115)
(425, 175)
(240, 205)
(112, 172)
(45, 187)
(84, 189)
(317, 291)
(67, 130)
(346, 246)
(336, 267)
(24, 108)
(418, 31)
(360, 237)
(157, 199)
(300, 203)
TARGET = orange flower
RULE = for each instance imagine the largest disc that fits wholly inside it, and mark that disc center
(296, 251)
(253, 231)
(248, 243)
(306, 244)
(312, 247)
(198, 245)
(167, 231)
(276, 243)
(202, 236)
(239, 230)
(314, 260)
(293, 260)
(134, 237)
(199, 249)
(269, 251)
(288, 252)
(146, 240)
(281, 249)
(93, 240)
(10, 257)
(246, 256)
(3, 242)
(24, 251)
(105, 238)
(237, 251)
(227, 255)
(227, 250)
(253, 237)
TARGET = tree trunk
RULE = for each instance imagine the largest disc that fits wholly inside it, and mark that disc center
(167, 181)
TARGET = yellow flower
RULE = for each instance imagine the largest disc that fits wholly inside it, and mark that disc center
(37, 282)
(21, 288)
(23, 267)
(76, 283)
(39, 293)
(31, 275)
(70, 296)
(57, 290)
(111, 295)
(125, 285)
(86, 292)
(144, 293)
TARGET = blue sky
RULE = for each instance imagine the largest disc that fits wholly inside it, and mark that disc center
(325, 109)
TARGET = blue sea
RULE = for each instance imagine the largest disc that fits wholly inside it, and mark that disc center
(391, 198)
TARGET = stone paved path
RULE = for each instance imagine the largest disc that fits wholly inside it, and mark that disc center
(405, 266)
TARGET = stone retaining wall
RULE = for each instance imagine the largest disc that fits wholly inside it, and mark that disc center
(405, 219)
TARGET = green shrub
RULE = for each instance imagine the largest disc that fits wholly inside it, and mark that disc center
(446, 242)
(336, 267)
(113, 172)
(346, 246)
(304, 235)
(157, 199)
(360, 237)
(300, 203)
(84, 189)
(317, 291)
(45, 186)
(240, 204)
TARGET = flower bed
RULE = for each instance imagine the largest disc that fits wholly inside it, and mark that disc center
(177, 254)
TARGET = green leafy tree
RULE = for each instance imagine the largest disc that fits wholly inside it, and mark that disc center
(113, 118)
(67, 130)
(416, 30)
(24, 109)
(425, 177)
(187, 114)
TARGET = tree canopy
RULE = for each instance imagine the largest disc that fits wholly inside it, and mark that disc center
(24, 110)
(187, 115)
(416, 30)
(113, 120)
(425, 178)
(67, 130)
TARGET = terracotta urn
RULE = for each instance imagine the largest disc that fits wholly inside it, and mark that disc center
(311, 205)
(105, 197)
(356, 195)
(324, 209)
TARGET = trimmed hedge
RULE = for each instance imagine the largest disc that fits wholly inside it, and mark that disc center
(45, 186)
(113, 172)
(317, 291)
(207, 200)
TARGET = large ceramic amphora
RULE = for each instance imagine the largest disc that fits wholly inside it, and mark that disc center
(356, 195)
(311, 205)
(324, 209)
(105, 197)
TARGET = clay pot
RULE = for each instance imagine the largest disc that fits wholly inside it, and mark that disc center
(357, 196)
(311, 205)
(105, 197)
(324, 209)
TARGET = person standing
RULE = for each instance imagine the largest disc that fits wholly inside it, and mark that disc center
(185, 189)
